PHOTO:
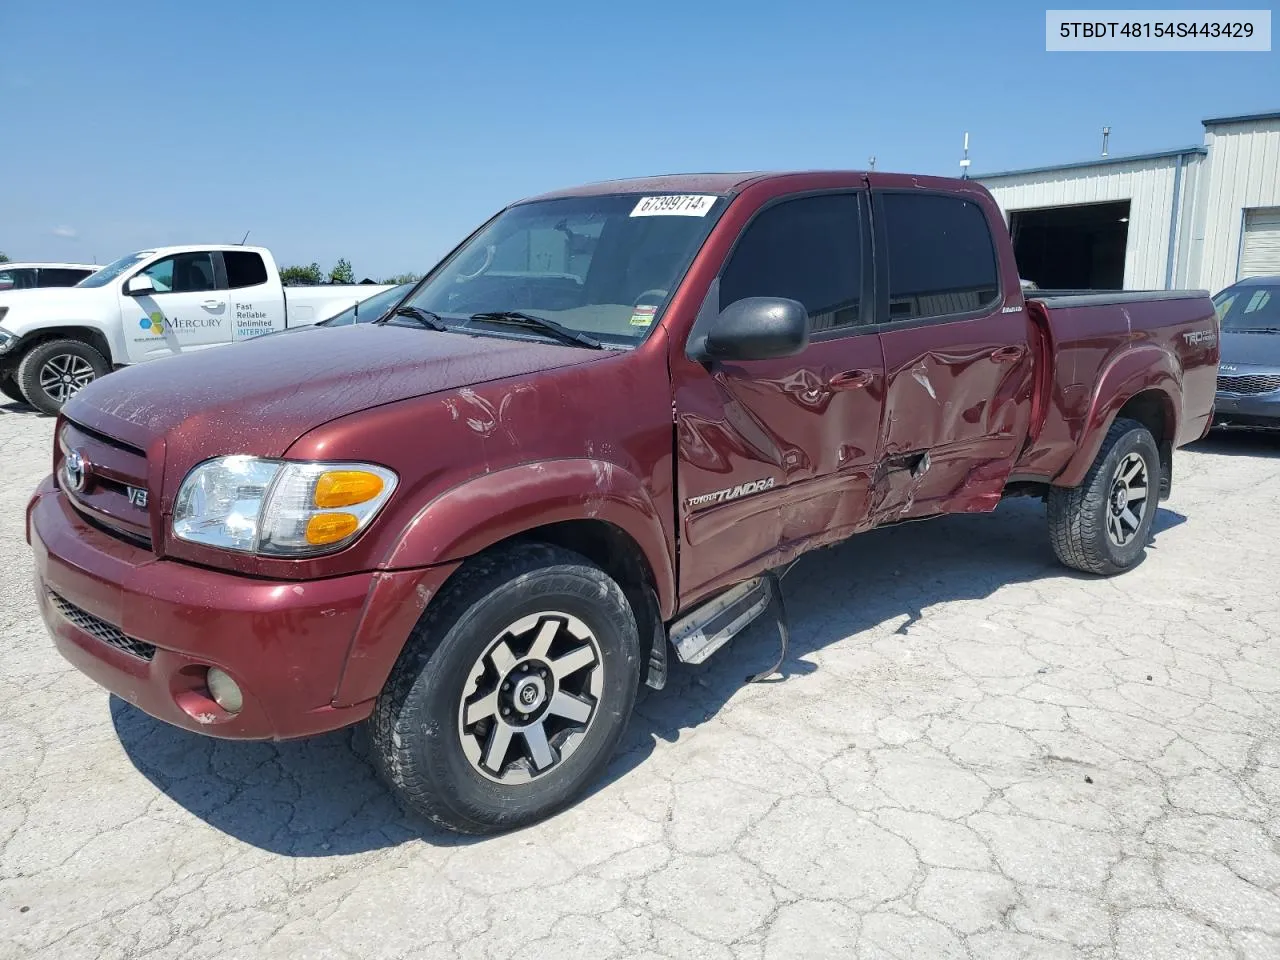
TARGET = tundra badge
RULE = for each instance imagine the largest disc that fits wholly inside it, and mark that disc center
(731, 493)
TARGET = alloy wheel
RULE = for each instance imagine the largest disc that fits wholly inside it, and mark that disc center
(1127, 501)
(531, 697)
(64, 375)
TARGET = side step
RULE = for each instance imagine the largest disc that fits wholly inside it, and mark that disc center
(699, 634)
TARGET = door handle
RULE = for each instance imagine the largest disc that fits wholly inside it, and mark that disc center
(1008, 354)
(851, 380)
(214, 304)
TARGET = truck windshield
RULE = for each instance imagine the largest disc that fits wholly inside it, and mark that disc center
(601, 265)
(114, 269)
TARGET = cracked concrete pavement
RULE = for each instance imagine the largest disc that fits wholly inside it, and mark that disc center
(975, 753)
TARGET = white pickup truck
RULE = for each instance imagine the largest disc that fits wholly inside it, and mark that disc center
(150, 304)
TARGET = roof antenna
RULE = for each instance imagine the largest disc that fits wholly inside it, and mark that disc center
(964, 163)
(1106, 135)
(243, 239)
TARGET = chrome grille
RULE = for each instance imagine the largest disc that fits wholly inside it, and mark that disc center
(1249, 384)
(100, 629)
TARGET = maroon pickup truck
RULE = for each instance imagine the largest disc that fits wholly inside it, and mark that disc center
(588, 441)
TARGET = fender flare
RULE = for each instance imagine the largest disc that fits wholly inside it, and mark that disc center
(68, 329)
(483, 511)
(1141, 369)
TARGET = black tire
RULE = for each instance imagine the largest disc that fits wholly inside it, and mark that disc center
(416, 730)
(1080, 517)
(75, 352)
(9, 387)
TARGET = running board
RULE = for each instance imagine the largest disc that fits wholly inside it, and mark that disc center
(699, 634)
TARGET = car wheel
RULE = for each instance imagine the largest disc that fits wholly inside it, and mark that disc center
(9, 387)
(512, 692)
(55, 371)
(1102, 526)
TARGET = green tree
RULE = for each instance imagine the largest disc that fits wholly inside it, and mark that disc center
(4, 257)
(342, 272)
(409, 277)
(301, 276)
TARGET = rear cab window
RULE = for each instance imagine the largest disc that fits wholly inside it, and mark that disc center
(244, 269)
(941, 258)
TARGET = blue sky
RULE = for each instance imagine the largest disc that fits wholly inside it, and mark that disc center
(384, 131)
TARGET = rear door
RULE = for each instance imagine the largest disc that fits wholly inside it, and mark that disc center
(186, 311)
(255, 300)
(958, 363)
(775, 456)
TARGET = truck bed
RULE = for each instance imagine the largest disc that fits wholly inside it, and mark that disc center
(1161, 344)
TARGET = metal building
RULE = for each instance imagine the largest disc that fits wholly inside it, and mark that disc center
(1201, 216)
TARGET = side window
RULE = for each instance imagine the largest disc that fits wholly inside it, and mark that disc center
(17, 279)
(941, 257)
(61, 277)
(809, 250)
(244, 268)
(182, 273)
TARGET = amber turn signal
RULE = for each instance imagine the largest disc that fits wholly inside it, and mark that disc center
(331, 527)
(343, 488)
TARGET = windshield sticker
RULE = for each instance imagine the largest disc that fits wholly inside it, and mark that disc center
(674, 205)
(643, 316)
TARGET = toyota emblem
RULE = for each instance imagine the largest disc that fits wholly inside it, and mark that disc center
(75, 467)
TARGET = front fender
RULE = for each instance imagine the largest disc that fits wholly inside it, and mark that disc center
(481, 512)
(1140, 369)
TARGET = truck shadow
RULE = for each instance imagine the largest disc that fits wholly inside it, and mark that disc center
(1240, 443)
(320, 797)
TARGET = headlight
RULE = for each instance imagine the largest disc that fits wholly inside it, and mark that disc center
(7, 339)
(278, 507)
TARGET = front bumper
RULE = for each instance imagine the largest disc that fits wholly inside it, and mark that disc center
(309, 656)
(1255, 412)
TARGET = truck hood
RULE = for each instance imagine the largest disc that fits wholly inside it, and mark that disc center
(1251, 349)
(258, 397)
(64, 302)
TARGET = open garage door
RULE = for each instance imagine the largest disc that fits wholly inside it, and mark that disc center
(1079, 247)
(1260, 248)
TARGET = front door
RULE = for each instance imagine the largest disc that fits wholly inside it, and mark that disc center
(186, 311)
(957, 359)
(775, 456)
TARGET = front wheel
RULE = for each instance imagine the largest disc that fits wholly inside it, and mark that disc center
(55, 371)
(1102, 526)
(512, 692)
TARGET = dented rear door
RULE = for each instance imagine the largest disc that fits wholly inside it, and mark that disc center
(775, 456)
(958, 364)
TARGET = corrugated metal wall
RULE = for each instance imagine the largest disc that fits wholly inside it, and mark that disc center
(1146, 184)
(1243, 173)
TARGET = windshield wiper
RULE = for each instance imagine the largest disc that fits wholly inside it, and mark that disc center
(1254, 330)
(559, 331)
(427, 318)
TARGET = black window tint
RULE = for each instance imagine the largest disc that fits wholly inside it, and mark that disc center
(60, 277)
(244, 269)
(941, 258)
(808, 250)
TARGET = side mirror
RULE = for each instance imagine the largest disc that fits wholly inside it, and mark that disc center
(139, 285)
(758, 328)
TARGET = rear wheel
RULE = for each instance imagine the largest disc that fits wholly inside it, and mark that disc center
(55, 371)
(1102, 526)
(512, 693)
